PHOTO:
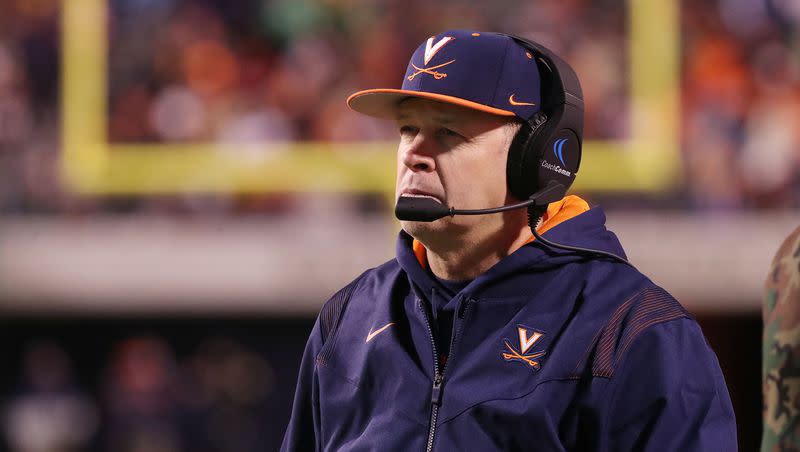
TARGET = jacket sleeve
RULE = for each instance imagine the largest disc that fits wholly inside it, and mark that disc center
(302, 434)
(669, 394)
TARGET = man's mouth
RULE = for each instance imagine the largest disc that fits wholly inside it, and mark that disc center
(419, 194)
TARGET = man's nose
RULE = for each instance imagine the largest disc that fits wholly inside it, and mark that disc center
(418, 156)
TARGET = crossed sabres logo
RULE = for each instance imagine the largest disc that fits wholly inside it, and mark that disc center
(430, 50)
(558, 148)
(525, 344)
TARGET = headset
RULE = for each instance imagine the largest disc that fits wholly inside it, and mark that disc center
(548, 145)
(545, 154)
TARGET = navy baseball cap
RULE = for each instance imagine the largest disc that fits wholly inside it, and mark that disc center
(490, 72)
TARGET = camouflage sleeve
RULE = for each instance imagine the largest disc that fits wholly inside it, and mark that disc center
(780, 370)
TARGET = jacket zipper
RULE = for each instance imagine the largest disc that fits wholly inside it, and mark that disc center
(436, 393)
(438, 377)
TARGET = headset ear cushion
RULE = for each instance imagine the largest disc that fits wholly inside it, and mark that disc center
(515, 163)
(521, 183)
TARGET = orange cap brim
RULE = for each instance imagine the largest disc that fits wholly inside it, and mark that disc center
(382, 103)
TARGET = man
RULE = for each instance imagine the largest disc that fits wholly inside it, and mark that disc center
(479, 336)
(781, 366)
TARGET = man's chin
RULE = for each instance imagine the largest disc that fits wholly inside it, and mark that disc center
(421, 230)
(442, 228)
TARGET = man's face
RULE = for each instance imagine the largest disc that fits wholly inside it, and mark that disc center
(455, 155)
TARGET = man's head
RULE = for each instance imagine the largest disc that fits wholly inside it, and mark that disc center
(464, 96)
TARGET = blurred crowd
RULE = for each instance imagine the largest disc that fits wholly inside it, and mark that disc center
(146, 399)
(280, 70)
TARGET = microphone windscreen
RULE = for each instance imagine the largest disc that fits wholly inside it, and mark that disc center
(410, 208)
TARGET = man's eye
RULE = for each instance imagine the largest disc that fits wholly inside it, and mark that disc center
(447, 133)
(407, 130)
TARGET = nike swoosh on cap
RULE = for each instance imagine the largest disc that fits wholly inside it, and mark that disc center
(380, 330)
(514, 102)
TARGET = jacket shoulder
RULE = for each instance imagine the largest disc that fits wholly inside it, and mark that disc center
(650, 306)
(332, 310)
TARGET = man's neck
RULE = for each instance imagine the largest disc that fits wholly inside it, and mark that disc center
(467, 257)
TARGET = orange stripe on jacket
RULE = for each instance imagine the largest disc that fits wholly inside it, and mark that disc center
(560, 211)
(557, 212)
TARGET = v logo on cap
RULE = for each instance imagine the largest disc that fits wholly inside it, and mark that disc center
(431, 48)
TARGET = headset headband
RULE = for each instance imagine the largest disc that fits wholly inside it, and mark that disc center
(568, 88)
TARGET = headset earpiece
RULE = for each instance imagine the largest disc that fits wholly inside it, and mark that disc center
(548, 146)
(521, 180)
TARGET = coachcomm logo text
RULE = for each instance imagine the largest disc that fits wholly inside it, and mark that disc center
(555, 168)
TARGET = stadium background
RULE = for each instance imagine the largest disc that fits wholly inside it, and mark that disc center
(182, 187)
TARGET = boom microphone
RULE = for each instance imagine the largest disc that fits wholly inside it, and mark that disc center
(426, 209)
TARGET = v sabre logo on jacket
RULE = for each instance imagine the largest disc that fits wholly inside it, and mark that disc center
(527, 338)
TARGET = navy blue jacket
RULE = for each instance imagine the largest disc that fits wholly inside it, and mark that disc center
(550, 351)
